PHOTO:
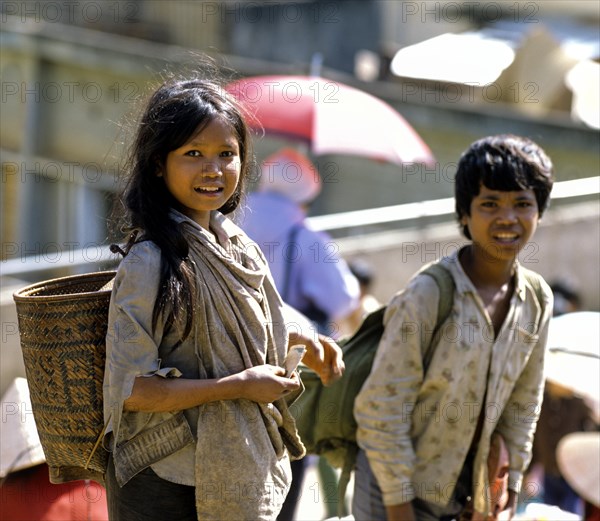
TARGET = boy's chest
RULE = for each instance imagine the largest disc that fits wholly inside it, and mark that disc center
(499, 351)
(497, 303)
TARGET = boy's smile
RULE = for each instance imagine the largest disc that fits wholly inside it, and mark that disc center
(501, 223)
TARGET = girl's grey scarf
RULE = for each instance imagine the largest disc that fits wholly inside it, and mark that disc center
(242, 469)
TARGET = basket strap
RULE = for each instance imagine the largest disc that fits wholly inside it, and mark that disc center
(97, 444)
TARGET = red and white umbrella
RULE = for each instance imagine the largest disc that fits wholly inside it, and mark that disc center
(331, 117)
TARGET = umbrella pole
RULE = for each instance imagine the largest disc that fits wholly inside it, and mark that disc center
(316, 65)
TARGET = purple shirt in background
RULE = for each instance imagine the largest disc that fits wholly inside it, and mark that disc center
(317, 274)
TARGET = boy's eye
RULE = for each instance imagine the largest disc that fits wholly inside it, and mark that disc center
(488, 204)
(524, 204)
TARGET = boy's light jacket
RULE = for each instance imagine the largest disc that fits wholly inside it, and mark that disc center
(417, 428)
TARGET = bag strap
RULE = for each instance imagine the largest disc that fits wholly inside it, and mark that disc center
(445, 282)
(349, 462)
(287, 277)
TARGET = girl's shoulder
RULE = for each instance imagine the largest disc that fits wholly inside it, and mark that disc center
(144, 248)
(143, 256)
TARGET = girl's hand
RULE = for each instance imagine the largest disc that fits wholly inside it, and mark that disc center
(402, 512)
(323, 356)
(266, 383)
(511, 505)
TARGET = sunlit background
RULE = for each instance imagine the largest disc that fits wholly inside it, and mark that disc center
(74, 73)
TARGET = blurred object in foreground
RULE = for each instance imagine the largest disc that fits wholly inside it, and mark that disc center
(542, 512)
(573, 360)
(20, 447)
(578, 456)
(26, 492)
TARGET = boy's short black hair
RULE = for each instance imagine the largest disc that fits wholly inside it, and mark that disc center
(504, 162)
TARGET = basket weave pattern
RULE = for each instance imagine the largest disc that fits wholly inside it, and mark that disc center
(62, 326)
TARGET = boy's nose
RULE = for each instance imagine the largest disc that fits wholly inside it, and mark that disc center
(507, 215)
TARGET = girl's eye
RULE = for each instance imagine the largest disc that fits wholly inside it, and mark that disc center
(193, 153)
(227, 153)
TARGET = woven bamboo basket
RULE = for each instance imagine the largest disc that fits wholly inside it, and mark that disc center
(62, 327)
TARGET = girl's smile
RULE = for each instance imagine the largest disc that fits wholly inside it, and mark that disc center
(203, 174)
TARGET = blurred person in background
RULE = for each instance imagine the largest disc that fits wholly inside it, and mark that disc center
(363, 272)
(562, 413)
(566, 298)
(306, 267)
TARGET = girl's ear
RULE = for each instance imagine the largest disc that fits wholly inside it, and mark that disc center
(158, 165)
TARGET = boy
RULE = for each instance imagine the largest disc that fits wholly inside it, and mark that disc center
(425, 428)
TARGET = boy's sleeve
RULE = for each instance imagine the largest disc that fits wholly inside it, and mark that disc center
(383, 408)
(519, 419)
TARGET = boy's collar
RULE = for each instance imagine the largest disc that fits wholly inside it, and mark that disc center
(464, 284)
(520, 290)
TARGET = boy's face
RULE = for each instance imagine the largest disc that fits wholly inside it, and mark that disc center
(501, 223)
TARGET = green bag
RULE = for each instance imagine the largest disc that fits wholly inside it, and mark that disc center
(324, 415)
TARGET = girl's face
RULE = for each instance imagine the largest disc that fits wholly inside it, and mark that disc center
(203, 174)
(501, 223)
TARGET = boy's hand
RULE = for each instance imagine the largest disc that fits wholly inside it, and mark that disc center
(323, 356)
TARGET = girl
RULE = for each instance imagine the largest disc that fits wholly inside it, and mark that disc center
(198, 427)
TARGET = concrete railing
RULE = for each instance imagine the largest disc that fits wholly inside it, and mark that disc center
(53, 258)
(437, 207)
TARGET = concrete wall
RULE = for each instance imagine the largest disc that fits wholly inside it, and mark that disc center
(565, 248)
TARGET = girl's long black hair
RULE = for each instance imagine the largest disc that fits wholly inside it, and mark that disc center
(174, 113)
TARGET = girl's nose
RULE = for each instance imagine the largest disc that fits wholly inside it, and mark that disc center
(211, 168)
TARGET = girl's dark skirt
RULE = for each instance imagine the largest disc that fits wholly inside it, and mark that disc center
(146, 497)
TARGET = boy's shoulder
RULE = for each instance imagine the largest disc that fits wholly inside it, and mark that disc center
(438, 276)
(429, 280)
(538, 286)
(431, 288)
(533, 276)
